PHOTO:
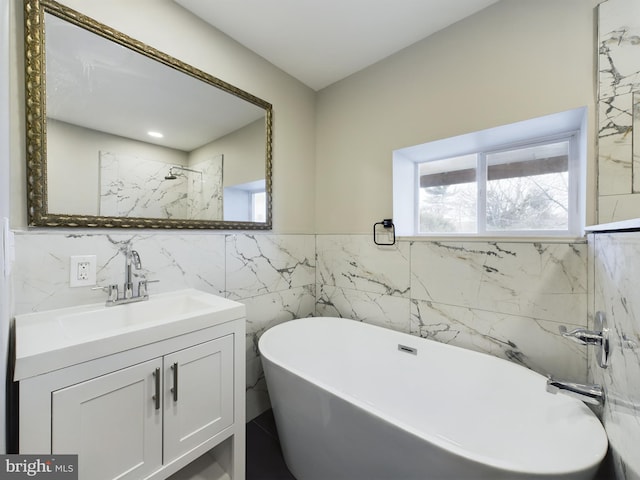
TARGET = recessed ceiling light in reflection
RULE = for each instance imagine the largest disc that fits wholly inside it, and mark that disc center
(155, 134)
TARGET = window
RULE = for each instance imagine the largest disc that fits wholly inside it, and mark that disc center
(517, 189)
(527, 187)
(246, 202)
(259, 206)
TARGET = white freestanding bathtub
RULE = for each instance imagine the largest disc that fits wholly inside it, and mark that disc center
(357, 402)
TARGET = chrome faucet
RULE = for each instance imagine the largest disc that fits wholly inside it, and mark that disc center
(132, 258)
(132, 262)
(593, 394)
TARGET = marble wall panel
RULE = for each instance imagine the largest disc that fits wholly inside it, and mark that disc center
(388, 311)
(616, 279)
(205, 190)
(537, 280)
(531, 342)
(615, 208)
(135, 187)
(354, 262)
(41, 278)
(507, 299)
(131, 186)
(618, 78)
(259, 264)
(263, 312)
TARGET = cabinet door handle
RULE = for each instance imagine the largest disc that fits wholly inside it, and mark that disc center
(174, 390)
(156, 397)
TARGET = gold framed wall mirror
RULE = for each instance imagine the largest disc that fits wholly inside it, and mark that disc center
(120, 134)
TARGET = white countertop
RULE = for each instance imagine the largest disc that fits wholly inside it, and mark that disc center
(633, 224)
(54, 339)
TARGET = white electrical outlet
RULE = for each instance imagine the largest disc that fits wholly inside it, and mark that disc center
(82, 270)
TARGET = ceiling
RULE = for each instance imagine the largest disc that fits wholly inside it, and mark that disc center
(100, 85)
(316, 41)
(322, 41)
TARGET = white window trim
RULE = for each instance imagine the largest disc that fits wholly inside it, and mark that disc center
(568, 125)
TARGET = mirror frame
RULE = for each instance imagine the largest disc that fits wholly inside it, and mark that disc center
(36, 125)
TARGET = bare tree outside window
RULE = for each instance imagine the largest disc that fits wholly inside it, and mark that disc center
(521, 189)
(449, 208)
(537, 202)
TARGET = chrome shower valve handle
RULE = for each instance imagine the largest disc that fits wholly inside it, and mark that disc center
(582, 336)
(598, 337)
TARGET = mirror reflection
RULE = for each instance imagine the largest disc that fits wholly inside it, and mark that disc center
(133, 135)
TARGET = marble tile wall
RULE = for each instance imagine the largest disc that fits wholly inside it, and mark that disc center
(273, 275)
(204, 190)
(618, 78)
(613, 255)
(506, 298)
(615, 280)
(131, 186)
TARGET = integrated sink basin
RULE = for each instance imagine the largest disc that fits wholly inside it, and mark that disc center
(49, 340)
(156, 310)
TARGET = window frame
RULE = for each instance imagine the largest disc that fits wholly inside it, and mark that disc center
(574, 185)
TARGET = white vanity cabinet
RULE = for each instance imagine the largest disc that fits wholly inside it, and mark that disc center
(198, 398)
(119, 407)
(144, 412)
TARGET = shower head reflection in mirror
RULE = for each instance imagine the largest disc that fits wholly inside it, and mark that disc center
(135, 186)
(173, 175)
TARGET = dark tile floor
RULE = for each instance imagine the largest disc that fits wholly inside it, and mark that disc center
(264, 456)
(606, 471)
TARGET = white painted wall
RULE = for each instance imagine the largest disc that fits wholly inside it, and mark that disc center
(243, 154)
(513, 61)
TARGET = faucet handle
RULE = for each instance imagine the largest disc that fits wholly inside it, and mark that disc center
(112, 291)
(142, 287)
(135, 258)
(582, 336)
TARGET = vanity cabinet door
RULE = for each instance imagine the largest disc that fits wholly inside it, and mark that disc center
(112, 422)
(202, 406)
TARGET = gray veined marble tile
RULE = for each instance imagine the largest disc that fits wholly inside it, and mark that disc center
(616, 279)
(618, 32)
(176, 261)
(41, 273)
(258, 264)
(264, 312)
(618, 77)
(383, 310)
(257, 396)
(537, 280)
(356, 262)
(194, 192)
(271, 309)
(530, 342)
(184, 261)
